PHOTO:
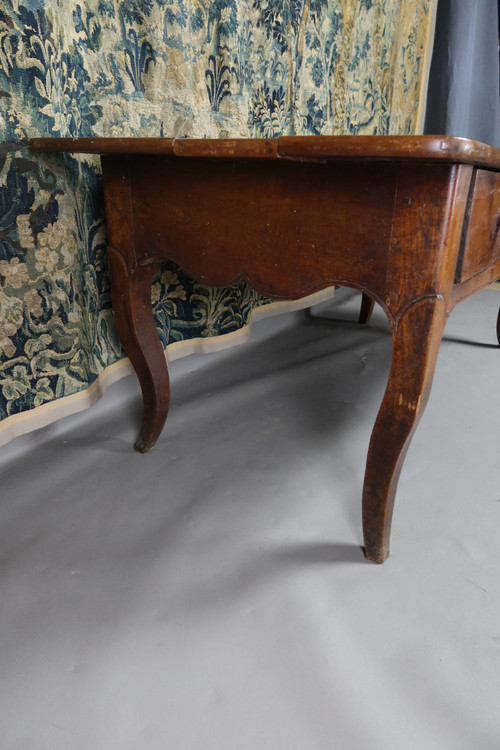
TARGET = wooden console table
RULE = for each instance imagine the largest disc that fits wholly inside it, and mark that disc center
(412, 222)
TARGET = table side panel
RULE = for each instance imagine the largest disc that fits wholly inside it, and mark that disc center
(481, 241)
(288, 228)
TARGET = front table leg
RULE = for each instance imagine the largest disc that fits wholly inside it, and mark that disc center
(134, 320)
(416, 339)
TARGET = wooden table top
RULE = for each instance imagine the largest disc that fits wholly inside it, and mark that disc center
(322, 147)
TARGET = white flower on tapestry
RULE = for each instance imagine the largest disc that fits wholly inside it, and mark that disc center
(46, 259)
(34, 303)
(20, 121)
(25, 232)
(168, 278)
(43, 392)
(16, 385)
(71, 82)
(215, 308)
(56, 237)
(34, 346)
(7, 346)
(11, 310)
(14, 272)
(49, 239)
(117, 131)
(155, 293)
(52, 236)
(75, 316)
(11, 319)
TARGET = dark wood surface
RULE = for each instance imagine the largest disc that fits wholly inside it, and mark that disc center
(412, 222)
(427, 147)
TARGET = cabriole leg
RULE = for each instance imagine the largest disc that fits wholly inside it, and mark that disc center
(367, 305)
(134, 320)
(416, 340)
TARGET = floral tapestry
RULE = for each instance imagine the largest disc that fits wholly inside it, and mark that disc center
(200, 68)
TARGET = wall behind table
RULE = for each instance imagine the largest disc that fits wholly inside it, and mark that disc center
(463, 96)
(156, 68)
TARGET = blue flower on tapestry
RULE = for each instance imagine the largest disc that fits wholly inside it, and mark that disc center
(139, 53)
(280, 18)
(217, 81)
(315, 118)
(135, 11)
(216, 18)
(88, 28)
(270, 114)
(139, 56)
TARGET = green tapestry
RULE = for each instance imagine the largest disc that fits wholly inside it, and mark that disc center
(163, 68)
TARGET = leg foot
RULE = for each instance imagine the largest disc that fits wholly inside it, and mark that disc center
(376, 555)
(416, 342)
(133, 315)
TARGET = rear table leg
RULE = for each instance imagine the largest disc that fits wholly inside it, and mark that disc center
(416, 340)
(134, 320)
(365, 313)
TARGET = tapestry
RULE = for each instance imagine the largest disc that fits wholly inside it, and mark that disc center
(199, 68)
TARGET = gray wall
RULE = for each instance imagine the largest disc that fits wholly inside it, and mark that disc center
(463, 96)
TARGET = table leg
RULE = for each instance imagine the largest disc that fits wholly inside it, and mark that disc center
(498, 328)
(416, 339)
(134, 320)
(367, 305)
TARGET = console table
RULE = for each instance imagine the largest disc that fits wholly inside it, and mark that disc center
(411, 221)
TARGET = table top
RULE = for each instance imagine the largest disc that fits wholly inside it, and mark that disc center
(322, 147)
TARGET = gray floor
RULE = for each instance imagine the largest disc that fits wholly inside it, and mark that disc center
(212, 595)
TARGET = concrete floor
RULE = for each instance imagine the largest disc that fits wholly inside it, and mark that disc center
(213, 595)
